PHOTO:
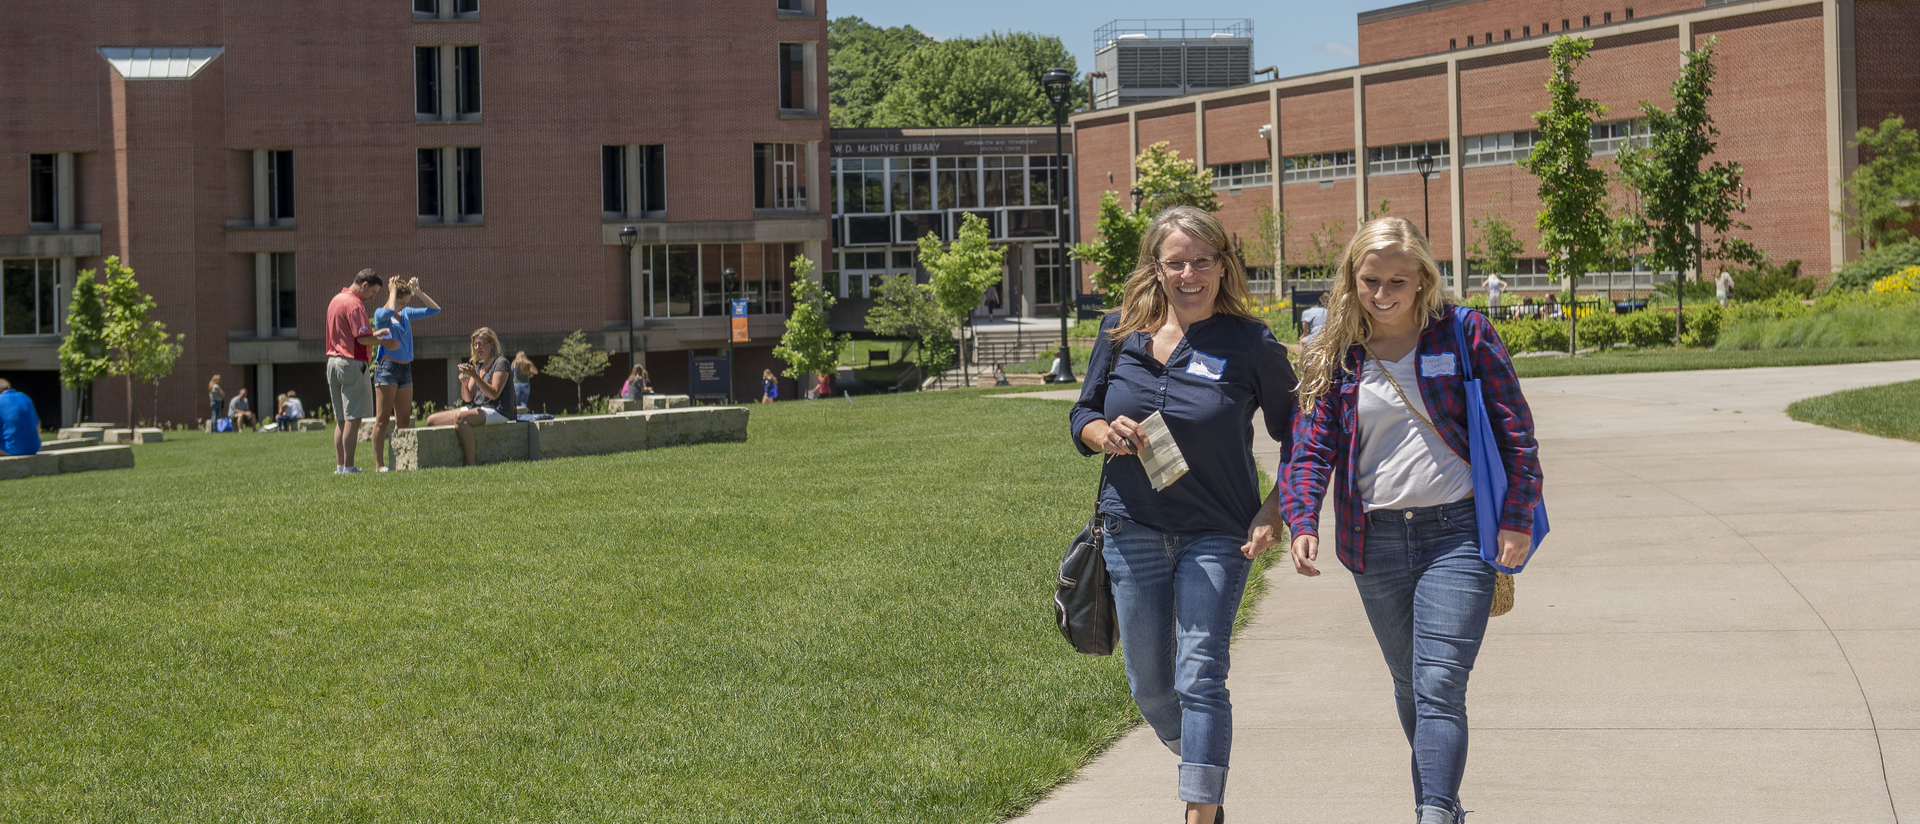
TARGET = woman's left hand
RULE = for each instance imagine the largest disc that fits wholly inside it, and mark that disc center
(1261, 537)
(1513, 548)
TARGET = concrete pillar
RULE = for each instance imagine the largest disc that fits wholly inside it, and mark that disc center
(262, 194)
(1133, 149)
(263, 319)
(1842, 117)
(1359, 150)
(63, 295)
(64, 202)
(448, 77)
(1200, 133)
(263, 406)
(636, 289)
(449, 185)
(1456, 182)
(453, 370)
(630, 163)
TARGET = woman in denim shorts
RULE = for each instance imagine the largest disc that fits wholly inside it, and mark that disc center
(1184, 347)
(1383, 412)
(393, 370)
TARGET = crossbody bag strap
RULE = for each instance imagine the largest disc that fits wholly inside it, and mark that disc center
(1402, 393)
(1113, 356)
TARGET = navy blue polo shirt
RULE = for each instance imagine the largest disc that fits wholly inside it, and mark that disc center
(1207, 391)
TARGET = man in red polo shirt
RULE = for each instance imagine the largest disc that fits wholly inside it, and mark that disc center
(349, 337)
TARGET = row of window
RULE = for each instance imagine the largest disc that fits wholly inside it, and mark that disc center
(1011, 223)
(470, 9)
(695, 280)
(1546, 27)
(446, 82)
(857, 274)
(1478, 150)
(877, 185)
(1238, 175)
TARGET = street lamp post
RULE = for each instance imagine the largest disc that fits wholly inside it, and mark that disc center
(1136, 193)
(727, 277)
(1059, 85)
(1425, 166)
(629, 236)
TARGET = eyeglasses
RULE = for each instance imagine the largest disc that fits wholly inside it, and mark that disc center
(1198, 265)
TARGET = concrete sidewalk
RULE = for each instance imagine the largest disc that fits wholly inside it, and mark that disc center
(1723, 627)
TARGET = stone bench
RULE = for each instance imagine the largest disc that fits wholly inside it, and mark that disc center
(429, 447)
(82, 459)
(139, 436)
(67, 443)
(648, 402)
(86, 431)
(309, 425)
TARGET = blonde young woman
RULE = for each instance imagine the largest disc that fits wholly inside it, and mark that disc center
(393, 372)
(216, 402)
(484, 392)
(1184, 346)
(1383, 412)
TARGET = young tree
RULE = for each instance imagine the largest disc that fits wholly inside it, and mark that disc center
(1115, 248)
(577, 361)
(963, 271)
(902, 308)
(1573, 194)
(1328, 243)
(134, 347)
(1682, 196)
(1889, 177)
(1166, 181)
(809, 346)
(1495, 248)
(1268, 248)
(83, 357)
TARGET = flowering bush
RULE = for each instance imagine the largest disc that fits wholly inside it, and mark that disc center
(1905, 280)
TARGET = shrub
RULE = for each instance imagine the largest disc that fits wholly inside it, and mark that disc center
(1532, 335)
(1703, 325)
(1905, 280)
(1696, 290)
(1874, 265)
(1763, 282)
(1837, 319)
(1647, 328)
(1600, 330)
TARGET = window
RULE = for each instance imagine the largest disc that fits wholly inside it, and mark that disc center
(445, 9)
(1563, 24)
(279, 186)
(284, 316)
(426, 82)
(1322, 166)
(1405, 158)
(1005, 183)
(42, 183)
(863, 188)
(1606, 17)
(780, 176)
(1469, 41)
(433, 98)
(911, 180)
(467, 80)
(1047, 285)
(1506, 34)
(469, 182)
(1586, 20)
(795, 7)
(1629, 12)
(1496, 149)
(1237, 175)
(1489, 40)
(632, 182)
(795, 92)
(958, 182)
(1453, 43)
(1608, 138)
(29, 303)
(450, 185)
(1043, 181)
(1526, 31)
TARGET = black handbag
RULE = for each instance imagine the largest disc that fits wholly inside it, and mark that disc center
(1083, 594)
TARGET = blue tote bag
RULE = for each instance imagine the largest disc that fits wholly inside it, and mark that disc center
(1489, 471)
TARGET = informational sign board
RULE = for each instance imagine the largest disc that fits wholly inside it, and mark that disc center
(739, 320)
(708, 377)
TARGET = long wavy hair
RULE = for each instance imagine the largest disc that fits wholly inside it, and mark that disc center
(478, 364)
(1347, 322)
(1143, 305)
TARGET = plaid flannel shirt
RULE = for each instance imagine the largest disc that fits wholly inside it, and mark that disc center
(1327, 437)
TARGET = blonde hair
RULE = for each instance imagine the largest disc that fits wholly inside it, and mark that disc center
(213, 383)
(493, 339)
(1143, 306)
(1347, 323)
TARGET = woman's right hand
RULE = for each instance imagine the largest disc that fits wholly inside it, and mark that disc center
(1306, 549)
(1121, 437)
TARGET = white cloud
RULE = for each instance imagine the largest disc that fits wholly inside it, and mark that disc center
(1345, 50)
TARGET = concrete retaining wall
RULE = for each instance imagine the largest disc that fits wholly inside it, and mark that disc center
(430, 447)
(82, 459)
(592, 435)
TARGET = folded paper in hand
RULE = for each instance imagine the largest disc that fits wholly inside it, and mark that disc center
(1161, 456)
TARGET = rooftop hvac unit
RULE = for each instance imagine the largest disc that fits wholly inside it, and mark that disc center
(1156, 59)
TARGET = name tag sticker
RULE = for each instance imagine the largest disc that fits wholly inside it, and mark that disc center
(1207, 366)
(1438, 366)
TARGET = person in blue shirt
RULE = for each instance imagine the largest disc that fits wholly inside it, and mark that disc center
(393, 368)
(19, 424)
(1183, 346)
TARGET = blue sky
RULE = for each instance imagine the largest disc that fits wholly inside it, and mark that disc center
(1299, 37)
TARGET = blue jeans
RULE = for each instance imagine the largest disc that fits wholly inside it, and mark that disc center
(1176, 596)
(520, 391)
(1426, 592)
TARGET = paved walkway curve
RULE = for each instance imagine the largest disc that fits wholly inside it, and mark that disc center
(1723, 627)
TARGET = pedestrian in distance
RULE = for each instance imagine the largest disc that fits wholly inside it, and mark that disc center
(822, 386)
(1184, 346)
(483, 392)
(1312, 320)
(1723, 287)
(349, 338)
(393, 373)
(216, 402)
(1383, 412)
(240, 411)
(291, 412)
(523, 372)
(636, 386)
(19, 423)
(1495, 289)
(769, 387)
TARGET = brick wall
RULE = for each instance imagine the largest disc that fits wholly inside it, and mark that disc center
(1430, 32)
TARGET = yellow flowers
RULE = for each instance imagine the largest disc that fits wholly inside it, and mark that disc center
(1905, 280)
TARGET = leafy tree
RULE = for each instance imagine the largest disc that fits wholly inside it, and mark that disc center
(809, 346)
(1495, 248)
(989, 81)
(1682, 196)
(963, 271)
(864, 62)
(577, 361)
(1166, 181)
(83, 358)
(902, 308)
(1327, 243)
(1876, 190)
(1115, 248)
(1573, 223)
(133, 346)
(1269, 245)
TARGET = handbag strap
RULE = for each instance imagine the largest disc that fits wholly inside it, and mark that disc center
(1460, 341)
(1113, 355)
(1401, 392)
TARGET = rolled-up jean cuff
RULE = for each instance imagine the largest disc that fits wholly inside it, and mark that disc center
(1171, 745)
(1202, 783)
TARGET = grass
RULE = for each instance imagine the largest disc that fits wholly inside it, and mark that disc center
(1681, 360)
(1843, 326)
(1891, 411)
(844, 618)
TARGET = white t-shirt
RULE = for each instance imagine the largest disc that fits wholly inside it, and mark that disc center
(1402, 463)
(1315, 317)
(294, 409)
(1724, 285)
(1495, 286)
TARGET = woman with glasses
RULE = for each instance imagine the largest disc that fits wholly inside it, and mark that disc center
(483, 390)
(1184, 347)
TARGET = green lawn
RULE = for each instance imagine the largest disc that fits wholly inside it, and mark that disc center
(1680, 360)
(845, 618)
(1891, 411)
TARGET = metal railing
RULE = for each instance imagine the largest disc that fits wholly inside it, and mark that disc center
(1167, 29)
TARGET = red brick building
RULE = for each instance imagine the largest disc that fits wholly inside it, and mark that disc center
(1461, 79)
(246, 160)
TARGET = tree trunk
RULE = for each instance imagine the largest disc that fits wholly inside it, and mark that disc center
(131, 426)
